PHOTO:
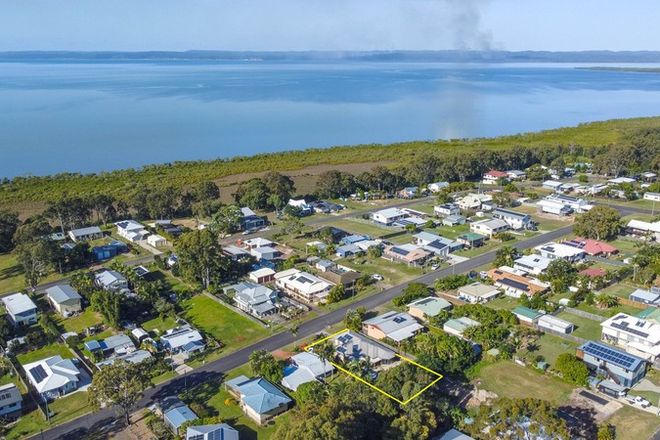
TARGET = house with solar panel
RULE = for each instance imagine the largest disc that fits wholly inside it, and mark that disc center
(439, 246)
(411, 254)
(396, 326)
(65, 299)
(183, 339)
(303, 286)
(253, 298)
(53, 377)
(220, 431)
(624, 369)
(516, 220)
(389, 216)
(352, 346)
(635, 335)
(259, 399)
(132, 230)
(20, 309)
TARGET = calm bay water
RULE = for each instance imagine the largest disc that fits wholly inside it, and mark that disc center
(91, 117)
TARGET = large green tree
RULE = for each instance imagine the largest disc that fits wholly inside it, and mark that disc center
(599, 223)
(9, 223)
(226, 220)
(262, 363)
(119, 385)
(200, 258)
(504, 256)
(572, 369)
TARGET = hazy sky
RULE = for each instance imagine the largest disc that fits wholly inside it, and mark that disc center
(329, 24)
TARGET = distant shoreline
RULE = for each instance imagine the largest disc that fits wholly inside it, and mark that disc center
(623, 69)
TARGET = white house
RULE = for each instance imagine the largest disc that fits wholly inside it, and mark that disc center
(516, 175)
(493, 176)
(552, 184)
(183, 339)
(555, 251)
(515, 220)
(263, 275)
(156, 240)
(389, 216)
(254, 298)
(86, 234)
(457, 326)
(65, 299)
(446, 209)
(53, 377)
(111, 280)
(552, 323)
(637, 336)
(655, 197)
(220, 431)
(437, 186)
(489, 227)
(20, 309)
(576, 204)
(302, 205)
(131, 230)
(473, 201)
(532, 264)
(620, 180)
(397, 326)
(302, 285)
(477, 293)
(305, 367)
(257, 242)
(644, 229)
(553, 207)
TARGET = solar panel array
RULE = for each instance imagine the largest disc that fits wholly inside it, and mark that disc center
(38, 373)
(515, 284)
(609, 355)
(624, 326)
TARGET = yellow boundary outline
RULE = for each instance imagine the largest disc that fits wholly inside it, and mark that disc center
(385, 393)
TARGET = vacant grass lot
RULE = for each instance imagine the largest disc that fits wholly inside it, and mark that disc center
(507, 379)
(551, 346)
(584, 327)
(633, 424)
(361, 226)
(393, 273)
(225, 325)
(622, 289)
(159, 325)
(79, 323)
(44, 352)
(64, 408)
(621, 308)
(504, 302)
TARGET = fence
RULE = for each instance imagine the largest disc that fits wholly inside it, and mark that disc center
(568, 337)
(584, 314)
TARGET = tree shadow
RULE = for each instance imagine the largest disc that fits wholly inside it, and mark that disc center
(581, 421)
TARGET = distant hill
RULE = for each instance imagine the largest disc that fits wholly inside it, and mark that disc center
(449, 56)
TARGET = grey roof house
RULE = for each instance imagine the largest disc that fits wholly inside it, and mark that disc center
(65, 299)
(254, 298)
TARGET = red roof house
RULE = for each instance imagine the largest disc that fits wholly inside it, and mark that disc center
(592, 247)
(594, 272)
(496, 174)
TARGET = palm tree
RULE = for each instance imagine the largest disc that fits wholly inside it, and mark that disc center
(604, 301)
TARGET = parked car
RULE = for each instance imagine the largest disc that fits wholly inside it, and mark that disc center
(640, 401)
(377, 277)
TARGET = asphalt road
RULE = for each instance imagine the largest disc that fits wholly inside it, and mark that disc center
(215, 370)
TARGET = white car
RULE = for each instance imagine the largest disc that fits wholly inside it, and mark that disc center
(377, 277)
(639, 400)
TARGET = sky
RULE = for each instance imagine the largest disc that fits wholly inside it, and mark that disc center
(136, 25)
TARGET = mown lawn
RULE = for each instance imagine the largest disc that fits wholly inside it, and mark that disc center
(621, 308)
(634, 424)
(11, 274)
(161, 325)
(361, 226)
(44, 352)
(507, 379)
(503, 302)
(393, 273)
(622, 289)
(551, 346)
(79, 323)
(64, 408)
(584, 327)
(230, 328)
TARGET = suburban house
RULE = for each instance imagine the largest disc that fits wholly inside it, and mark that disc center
(473, 201)
(651, 297)
(337, 274)
(53, 377)
(436, 244)
(112, 345)
(11, 402)
(644, 229)
(453, 434)
(514, 284)
(554, 185)
(410, 254)
(515, 220)
(183, 339)
(397, 326)
(302, 205)
(347, 250)
(259, 399)
(353, 239)
(654, 197)
(110, 250)
(454, 220)
(489, 227)
(305, 367)
(20, 309)
(111, 280)
(131, 230)
(176, 414)
(602, 359)
(526, 315)
(133, 357)
(573, 203)
(220, 431)
(351, 346)
(516, 175)
(156, 240)
(592, 247)
(471, 239)
(446, 209)
(65, 299)
(250, 221)
(262, 276)
(253, 298)
(477, 293)
(554, 251)
(389, 216)
(325, 207)
(532, 264)
(236, 253)
(493, 176)
(649, 176)
(637, 336)
(553, 324)
(257, 242)
(365, 245)
(554, 207)
(458, 326)
(302, 285)
(620, 180)
(86, 234)
(425, 308)
(436, 187)
(409, 192)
